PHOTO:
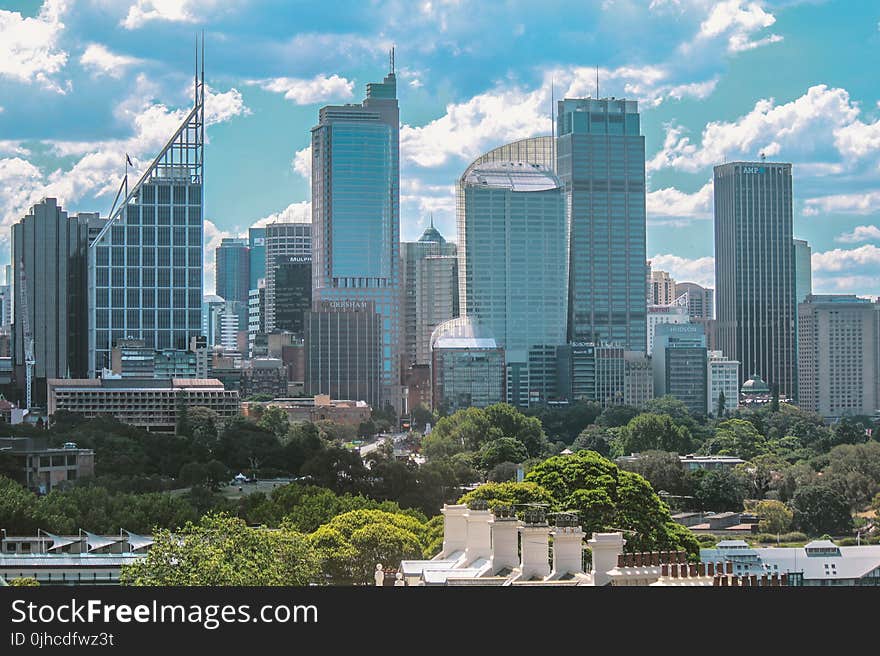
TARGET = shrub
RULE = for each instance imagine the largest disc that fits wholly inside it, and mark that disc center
(794, 536)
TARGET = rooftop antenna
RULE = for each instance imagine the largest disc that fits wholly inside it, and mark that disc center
(763, 157)
(552, 123)
(432, 220)
(391, 59)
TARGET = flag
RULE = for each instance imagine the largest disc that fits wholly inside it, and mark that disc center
(128, 160)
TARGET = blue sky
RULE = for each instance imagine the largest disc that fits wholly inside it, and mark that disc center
(84, 81)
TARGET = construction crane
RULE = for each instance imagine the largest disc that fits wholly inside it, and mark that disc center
(27, 337)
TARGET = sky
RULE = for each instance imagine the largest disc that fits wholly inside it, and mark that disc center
(82, 82)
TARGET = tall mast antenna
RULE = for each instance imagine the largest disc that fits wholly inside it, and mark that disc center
(391, 59)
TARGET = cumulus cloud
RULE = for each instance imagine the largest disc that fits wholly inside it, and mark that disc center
(320, 88)
(673, 203)
(737, 21)
(700, 270)
(841, 259)
(302, 162)
(822, 119)
(172, 11)
(857, 203)
(30, 48)
(298, 212)
(98, 59)
(859, 234)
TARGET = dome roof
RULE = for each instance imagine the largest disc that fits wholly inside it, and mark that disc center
(755, 385)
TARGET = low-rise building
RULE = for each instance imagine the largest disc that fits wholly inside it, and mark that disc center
(41, 468)
(151, 404)
(263, 376)
(317, 408)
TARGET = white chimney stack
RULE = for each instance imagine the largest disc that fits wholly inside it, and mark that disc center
(535, 563)
(568, 552)
(479, 538)
(454, 530)
(606, 548)
(505, 540)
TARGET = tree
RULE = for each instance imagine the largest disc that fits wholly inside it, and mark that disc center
(203, 423)
(223, 550)
(18, 508)
(820, 509)
(510, 422)
(735, 437)
(617, 415)
(502, 472)
(662, 469)
(854, 471)
(719, 490)
(504, 449)
(773, 516)
(719, 412)
(275, 421)
(516, 494)
(594, 438)
(422, 415)
(653, 432)
(774, 401)
(367, 428)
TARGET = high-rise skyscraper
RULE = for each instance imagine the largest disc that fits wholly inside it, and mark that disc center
(50, 248)
(839, 355)
(513, 278)
(257, 256)
(601, 161)
(661, 288)
(293, 291)
(283, 240)
(232, 276)
(430, 292)
(680, 365)
(803, 270)
(356, 215)
(700, 300)
(754, 270)
(145, 265)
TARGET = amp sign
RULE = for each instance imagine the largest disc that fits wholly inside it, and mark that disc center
(753, 169)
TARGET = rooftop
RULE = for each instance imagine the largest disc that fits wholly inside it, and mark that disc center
(515, 176)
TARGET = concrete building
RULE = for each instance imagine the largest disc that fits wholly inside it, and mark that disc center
(514, 271)
(601, 163)
(430, 292)
(755, 270)
(41, 468)
(151, 404)
(803, 270)
(661, 288)
(256, 315)
(356, 217)
(229, 323)
(70, 560)
(700, 300)
(638, 379)
(232, 270)
(318, 408)
(467, 366)
(50, 247)
(288, 250)
(818, 563)
(212, 308)
(263, 376)
(680, 365)
(676, 312)
(343, 351)
(722, 377)
(839, 355)
(692, 462)
(145, 264)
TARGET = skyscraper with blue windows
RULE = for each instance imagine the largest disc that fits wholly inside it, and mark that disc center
(356, 215)
(600, 158)
(232, 273)
(145, 265)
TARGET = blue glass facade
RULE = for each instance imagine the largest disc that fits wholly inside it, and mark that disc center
(232, 274)
(356, 215)
(601, 161)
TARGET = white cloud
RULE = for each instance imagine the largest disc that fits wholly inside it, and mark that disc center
(801, 127)
(671, 202)
(174, 11)
(737, 21)
(299, 212)
(302, 162)
(859, 234)
(841, 259)
(700, 270)
(320, 88)
(11, 147)
(30, 47)
(98, 59)
(220, 107)
(856, 203)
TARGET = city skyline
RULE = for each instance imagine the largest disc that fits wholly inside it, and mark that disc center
(820, 117)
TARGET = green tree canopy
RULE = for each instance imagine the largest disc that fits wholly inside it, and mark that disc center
(719, 490)
(504, 449)
(223, 550)
(735, 437)
(662, 469)
(275, 421)
(820, 509)
(773, 516)
(653, 432)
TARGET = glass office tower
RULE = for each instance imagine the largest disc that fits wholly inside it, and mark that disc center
(232, 276)
(601, 161)
(514, 276)
(755, 270)
(356, 215)
(145, 266)
(283, 240)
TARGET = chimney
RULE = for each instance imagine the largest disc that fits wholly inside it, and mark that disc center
(606, 547)
(479, 541)
(505, 539)
(535, 545)
(568, 549)
(454, 529)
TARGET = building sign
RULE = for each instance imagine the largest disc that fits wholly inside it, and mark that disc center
(752, 170)
(347, 305)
